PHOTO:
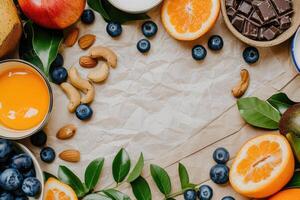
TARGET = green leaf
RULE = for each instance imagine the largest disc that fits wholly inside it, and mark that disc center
(45, 44)
(295, 144)
(68, 177)
(92, 173)
(116, 195)
(48, 175)
(96, 197)
(111, 13)
(258, 113)
(141, 189)
(295, 181)
(281, 102)
(161, 178)
(97, 6)
(121, 166)
(184, 177)
(137, 170)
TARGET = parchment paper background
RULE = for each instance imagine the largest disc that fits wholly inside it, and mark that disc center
(156, 102)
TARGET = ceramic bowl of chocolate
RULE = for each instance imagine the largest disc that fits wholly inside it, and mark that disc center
(262, 23)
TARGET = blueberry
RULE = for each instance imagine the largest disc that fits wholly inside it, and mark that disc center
(21, 162)
(30, 173)
(215, 43)
(205, 192)
(199, 52)
(21, 198)
(143, 45)
(10, 179)
(221, 155)
(149, 29)
(251, 55)
(47, 154)
(31, 186)
(59, 75)
(190, 195)
(88, 16)
(114, 29)
(84, 112)
(6, 149)
(39, 139)
(219, 174)
(228, 198)
(6, 196)
(58, 62)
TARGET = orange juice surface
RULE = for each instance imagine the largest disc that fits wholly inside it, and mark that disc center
(24, 98)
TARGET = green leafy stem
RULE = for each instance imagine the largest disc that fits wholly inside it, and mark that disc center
(122, 175)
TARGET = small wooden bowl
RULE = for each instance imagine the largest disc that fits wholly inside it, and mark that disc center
(280, 39)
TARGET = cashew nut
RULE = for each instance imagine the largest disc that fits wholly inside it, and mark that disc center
(82, 84)
(105, 53)
(73, 95)
(99, 74)
(240, 89)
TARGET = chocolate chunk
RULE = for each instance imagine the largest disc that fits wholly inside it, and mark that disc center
(261, 33)
(275, 22)
(230, 3)
(285, 22)
(264, 9)
(231, 12)
(238, 22)
(255, 17)
(250, 30)
(244, 8)
(282, 6)
(271, 33)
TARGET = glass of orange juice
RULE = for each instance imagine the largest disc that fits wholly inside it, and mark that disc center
(26, 99)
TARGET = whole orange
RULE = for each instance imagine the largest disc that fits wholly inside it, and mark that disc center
(290, 194)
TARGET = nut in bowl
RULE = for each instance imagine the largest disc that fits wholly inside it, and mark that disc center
(262, 23)
(25, 100)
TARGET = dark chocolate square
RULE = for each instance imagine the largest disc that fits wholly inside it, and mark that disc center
(256, 18)
(238, 23)
(285, 22)
(231, 12)
(271, 33)
(282, 6)
(250, 30)
(244, 8)
(264, 9)
(230, 3)
(261, 33)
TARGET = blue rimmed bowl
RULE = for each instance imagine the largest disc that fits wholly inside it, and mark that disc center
(295, 50)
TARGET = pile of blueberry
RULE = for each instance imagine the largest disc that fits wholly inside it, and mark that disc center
(39, 139)
(59, 74)
(17, 173)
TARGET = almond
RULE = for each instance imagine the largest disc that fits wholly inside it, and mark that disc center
(66, 132)
(70, 155)
(86, 41)
(71, 37)
(87, 62)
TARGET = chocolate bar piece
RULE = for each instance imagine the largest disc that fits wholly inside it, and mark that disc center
(285, 22)
(231, 12)
(238, 22)
(255, 17)
(271, 33)
(261, 33)
(245, 8)
(250, 30)
(282, 6)
(230, 3)
(265, 10)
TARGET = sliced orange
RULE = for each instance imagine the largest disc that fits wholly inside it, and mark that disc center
(56, 190)
(263, 166)
(291, 194)
(189, 19)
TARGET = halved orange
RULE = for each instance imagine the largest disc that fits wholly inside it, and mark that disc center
(263, 166)
(56, 190)
(290, 194)
(189, 19)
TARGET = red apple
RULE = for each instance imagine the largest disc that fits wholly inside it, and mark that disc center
(54, 14)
